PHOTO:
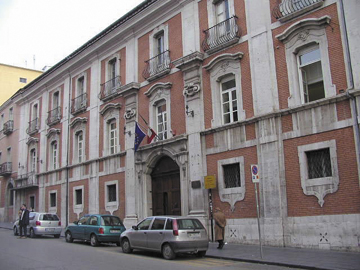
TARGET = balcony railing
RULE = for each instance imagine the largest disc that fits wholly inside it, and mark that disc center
(8, 127)
(79, 104)
(54, 116)
(33, 126)
(29, 180)
(5, 168)
(288, 9)
(157, 66)
(221, 35)
(110, 88)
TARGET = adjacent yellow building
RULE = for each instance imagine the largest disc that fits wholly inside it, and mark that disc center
(13, 78)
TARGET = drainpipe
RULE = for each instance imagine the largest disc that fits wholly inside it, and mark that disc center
(67, 154)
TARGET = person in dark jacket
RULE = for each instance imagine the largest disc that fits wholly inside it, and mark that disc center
(24, 221)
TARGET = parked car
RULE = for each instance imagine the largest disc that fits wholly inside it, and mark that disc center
(96, 229)
(168, 235)
(41, 224)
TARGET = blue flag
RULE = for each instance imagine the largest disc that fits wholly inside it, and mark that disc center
(139, 136)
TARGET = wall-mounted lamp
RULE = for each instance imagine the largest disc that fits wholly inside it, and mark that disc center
(128, 132)
(191, 113)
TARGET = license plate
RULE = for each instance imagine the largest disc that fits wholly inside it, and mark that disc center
(49, 229)
(194, 235)
(114, 231)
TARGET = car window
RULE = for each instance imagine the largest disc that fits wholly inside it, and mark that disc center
(184, 224)
(144, 225)
(83, 220)
(93, 221)
(111, 221)
(49, 217)
(158, 224)
(169, 225)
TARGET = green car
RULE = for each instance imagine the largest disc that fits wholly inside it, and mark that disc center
(95, 229)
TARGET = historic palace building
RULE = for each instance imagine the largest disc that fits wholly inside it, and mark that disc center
(224, 84)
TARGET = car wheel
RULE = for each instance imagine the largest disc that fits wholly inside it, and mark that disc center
(201, 254)
(15, 231)
(68, 237)
(93, 240)
(57, 235)
(168, 252)
(125, 245)
(32, 233)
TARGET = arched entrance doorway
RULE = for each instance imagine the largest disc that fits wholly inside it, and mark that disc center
(165, 183)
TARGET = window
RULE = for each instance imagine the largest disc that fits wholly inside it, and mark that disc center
(79, 140)
(318, 169)
(161, 121)
(32, 166)
(35, 112)
(319, 164)
(160, 47)
(111, 193)
(2, 122)
(32, 203)
(93, 221)
(112, 137)
(53, 199)
(53, 155)
(112, 72)
(11, 116)
(158, 224)
(23, 80)
(11, 195)
(80, 85)
(222, 11)
(144, 225)
(229, 100)
(232, 175)
(9, 154)
(311, 74)
(78, 196)
(56, 102)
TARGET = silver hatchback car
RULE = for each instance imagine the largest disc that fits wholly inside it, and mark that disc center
(41, 224)
(168, 235)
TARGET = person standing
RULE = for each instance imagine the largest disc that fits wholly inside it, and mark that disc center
(220, 223)
(24, 221)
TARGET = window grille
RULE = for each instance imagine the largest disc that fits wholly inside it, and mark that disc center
(319, 163)
(111, 193)
(232, 175)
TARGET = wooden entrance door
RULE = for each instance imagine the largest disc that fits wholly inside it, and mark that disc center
(166, 195)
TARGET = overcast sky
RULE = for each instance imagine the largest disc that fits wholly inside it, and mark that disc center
(50, 30)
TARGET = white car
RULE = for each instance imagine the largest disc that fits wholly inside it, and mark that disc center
(41, 224)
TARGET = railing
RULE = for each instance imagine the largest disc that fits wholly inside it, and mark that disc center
(33, 126)
(28, 180)
(157, 65)
(288, 7)
(79, 103)
(54, 116)
(224, 33)
(5, 168)
(110, 88)
(8, 127)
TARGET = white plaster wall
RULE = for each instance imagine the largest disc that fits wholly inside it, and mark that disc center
(94, 110)
(190, 31)
(131, 61)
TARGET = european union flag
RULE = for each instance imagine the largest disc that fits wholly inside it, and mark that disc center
(139, 136)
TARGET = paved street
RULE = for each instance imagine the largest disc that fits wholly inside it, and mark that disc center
(49, 253)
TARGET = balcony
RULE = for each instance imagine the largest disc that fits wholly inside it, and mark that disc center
(221, 35)
(110, 89)
(289, 9)
(79, 104)
(6, 169)
(8, 127)
(29, 180)
(157, 66)
(33, 126)
(54, 116)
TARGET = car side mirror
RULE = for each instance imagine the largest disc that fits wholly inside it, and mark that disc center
(135, 227)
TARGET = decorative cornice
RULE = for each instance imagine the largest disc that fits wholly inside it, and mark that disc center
(78, 120)
(301, 25)
(193, 59)
(157, 86)
(52, 131)
(129, 89)
(109, 106)
(223, 57)
(32, 140)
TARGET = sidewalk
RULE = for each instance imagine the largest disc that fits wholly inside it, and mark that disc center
(291, 257)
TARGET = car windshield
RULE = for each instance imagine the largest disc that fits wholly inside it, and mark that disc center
(111, 221)
(49, 217)
(184, 224)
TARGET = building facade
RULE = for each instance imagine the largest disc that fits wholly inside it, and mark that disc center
(224, 84)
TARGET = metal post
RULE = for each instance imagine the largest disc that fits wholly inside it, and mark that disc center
(258, 219)
(211, 215)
